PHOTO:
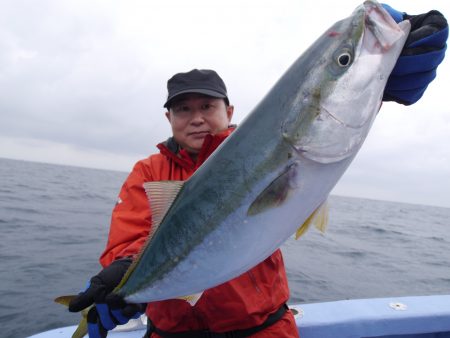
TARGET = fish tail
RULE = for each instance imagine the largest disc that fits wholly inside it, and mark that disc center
(81, 329)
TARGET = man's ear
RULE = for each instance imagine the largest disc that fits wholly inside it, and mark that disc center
(168, 115)
(230, 110)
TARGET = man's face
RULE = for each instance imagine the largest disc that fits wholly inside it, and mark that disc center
(193, 116)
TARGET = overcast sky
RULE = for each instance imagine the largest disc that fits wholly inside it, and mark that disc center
(83, 83)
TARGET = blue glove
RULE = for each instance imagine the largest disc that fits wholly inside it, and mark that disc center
(424, 50)
(110, 310)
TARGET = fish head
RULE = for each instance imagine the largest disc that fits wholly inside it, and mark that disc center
(349, 81)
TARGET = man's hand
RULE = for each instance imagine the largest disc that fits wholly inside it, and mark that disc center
(424, 50)
(109, 310)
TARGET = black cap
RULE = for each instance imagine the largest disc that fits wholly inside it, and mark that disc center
(202, 81)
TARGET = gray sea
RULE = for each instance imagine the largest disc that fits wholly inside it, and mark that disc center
(54, 222)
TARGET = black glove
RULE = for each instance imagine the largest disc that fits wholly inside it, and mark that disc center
(110, 309)
(424, 50)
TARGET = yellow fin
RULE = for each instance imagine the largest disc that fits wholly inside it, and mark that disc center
(322, 217)
(192, 299)
(82, 329)
(64, 300)
(303, 228)
(319, 218)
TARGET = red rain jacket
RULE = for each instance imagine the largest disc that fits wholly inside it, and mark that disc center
(243, 302)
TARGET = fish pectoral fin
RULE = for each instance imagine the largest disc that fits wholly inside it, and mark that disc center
(275, 193)
(161, 195)
(319, 218)
(192, 299)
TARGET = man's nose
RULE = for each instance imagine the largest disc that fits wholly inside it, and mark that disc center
(197, 117)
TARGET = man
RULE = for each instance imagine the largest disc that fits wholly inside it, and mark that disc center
(199, 113)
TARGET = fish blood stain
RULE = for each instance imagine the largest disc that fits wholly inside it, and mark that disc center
(333, 34)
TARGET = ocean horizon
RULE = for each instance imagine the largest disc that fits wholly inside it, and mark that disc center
(55, 220)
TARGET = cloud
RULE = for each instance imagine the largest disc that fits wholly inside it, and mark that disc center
(87, 78)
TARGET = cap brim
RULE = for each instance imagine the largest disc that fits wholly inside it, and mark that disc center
(196, 91)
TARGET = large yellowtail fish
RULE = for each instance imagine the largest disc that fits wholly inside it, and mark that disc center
(275, 170)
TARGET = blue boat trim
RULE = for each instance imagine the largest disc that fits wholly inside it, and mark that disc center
(403, 317)
(423, 316)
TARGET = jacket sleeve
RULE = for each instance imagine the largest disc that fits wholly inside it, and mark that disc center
(131, 218)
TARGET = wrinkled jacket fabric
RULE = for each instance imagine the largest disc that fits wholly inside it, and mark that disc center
(243, 302)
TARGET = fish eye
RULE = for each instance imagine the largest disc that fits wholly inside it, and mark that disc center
(344, 59)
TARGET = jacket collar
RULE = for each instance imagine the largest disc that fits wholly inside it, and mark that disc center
(172, 150)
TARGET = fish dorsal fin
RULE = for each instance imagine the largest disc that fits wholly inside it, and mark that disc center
(275, 193)
(161, 195)
(319, 218)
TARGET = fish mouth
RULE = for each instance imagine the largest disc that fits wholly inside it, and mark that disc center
(383, 27)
